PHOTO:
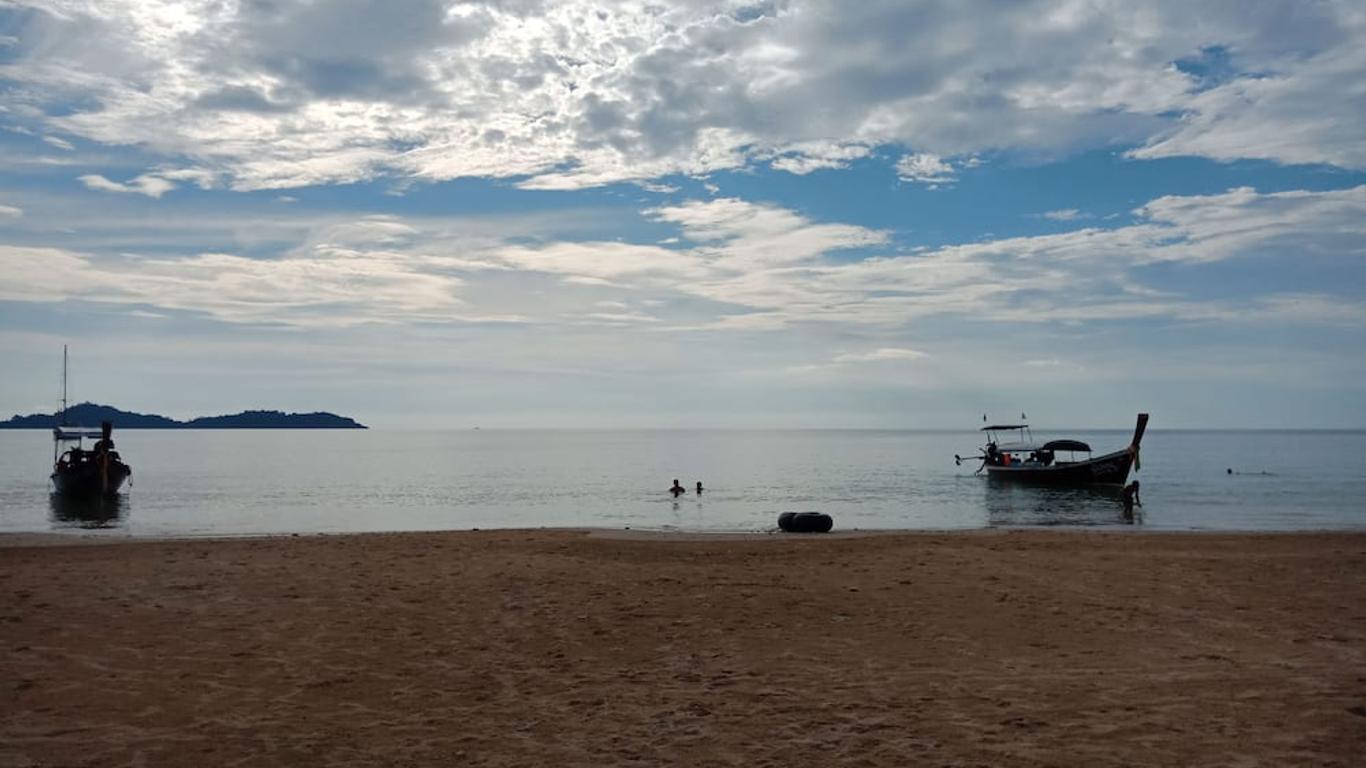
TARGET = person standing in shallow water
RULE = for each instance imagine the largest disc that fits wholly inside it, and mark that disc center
(699, 487)
(677, 490)
(1130, 498)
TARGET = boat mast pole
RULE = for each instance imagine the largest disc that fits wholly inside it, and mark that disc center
(61, 422)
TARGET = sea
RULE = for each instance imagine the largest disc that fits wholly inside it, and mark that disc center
(189, 483)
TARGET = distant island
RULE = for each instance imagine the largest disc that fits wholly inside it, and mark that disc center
(91, 414)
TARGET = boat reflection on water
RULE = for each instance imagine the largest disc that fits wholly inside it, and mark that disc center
(87, 512)
(1012, 503)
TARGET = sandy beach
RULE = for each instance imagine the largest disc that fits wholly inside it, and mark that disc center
(503, 648)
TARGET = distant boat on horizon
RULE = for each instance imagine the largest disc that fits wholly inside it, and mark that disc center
(1029, 461)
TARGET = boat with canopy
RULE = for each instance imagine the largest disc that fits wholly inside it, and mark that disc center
(1058, 462)
(78, 472)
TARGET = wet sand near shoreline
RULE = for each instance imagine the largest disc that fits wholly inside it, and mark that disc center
(511, 648)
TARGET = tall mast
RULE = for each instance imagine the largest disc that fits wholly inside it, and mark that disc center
(63, 384)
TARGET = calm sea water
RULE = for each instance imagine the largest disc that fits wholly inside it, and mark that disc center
(250, 482)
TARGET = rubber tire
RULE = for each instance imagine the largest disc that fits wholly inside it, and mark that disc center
(805, 522)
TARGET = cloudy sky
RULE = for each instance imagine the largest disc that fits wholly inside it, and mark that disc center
(750, 214)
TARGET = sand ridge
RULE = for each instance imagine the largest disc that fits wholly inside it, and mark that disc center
(503, 648)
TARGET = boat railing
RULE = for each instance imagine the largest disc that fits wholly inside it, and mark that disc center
(71, 434)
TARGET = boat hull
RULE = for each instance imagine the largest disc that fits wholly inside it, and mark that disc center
(1110, 469)
(88, 480)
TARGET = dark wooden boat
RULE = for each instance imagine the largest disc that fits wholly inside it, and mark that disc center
(81, 473)
(1055, 462)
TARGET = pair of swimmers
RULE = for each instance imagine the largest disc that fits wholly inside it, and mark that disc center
(679, 490)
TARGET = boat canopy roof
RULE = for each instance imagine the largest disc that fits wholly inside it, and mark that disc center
(997, 427)
(75, 433)
(1051, 445)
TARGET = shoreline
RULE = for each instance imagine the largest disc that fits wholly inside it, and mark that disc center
(578, 647)
(114, 536)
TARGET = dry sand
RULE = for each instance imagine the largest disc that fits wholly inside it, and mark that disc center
(564, 648)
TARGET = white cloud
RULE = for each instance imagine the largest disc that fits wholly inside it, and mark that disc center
(736, 234)
(591, 281)
(662, 189)
(1243, 222)
(572, 94)
(1065, 214)
(202, 178)
(1303, 111)
(1296, 308)
(325, 287)
(147, 184)
(740, 267)
(807, 157)
(1082, 275)
(615, 318)
(10, 212)
(881, 355)
(59, 143)
(603, 261)
(924, 168)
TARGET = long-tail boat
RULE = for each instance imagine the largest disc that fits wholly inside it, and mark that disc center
(78, 472)
(1055, 462)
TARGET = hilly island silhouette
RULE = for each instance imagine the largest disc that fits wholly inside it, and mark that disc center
(93, 413)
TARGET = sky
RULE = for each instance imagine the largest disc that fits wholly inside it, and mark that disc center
(513, 213)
